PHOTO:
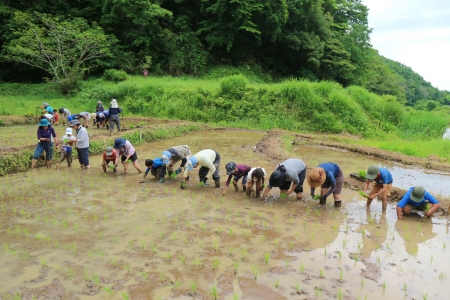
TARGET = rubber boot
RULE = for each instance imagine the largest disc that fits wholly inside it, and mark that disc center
(217, 181)
(104, 168)
(235, 186)
(244, 188)
(323, 201)
(258, 194)
(337, 203)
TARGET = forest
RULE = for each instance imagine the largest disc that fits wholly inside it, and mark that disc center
(67, 41)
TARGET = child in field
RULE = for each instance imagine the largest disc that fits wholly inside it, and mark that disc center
(66, 148)
(55, 117)
(154, 167)
(109, 155)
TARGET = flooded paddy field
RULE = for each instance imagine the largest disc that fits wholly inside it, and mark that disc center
(66, 234)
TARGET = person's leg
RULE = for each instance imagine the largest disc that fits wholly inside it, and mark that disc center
(249, 188)
(375, 189)
(69, 158)
(215, 175)
(104, 164)
(48, 154)
(61, 158)
(111, 124)
(386, 194)
(134, 160)
(80, 158)
(244, 183)
(118, 122)
(125, 164)
(85, 158)
(299, 189)
(37, 153)
(338, 190)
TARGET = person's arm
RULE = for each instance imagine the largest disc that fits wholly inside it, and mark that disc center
(145, 173)
(266, 191)
(434, 204)
(225, 188)
(183, 162)
(293, 186)
(366, 186)
(402, 204)
(399, 213)
(380, 192)
(54, 136)
(40, 138)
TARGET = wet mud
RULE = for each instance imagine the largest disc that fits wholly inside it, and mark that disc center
(71, 235)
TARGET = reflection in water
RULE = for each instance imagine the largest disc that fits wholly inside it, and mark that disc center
(447, 134)
(414, 231)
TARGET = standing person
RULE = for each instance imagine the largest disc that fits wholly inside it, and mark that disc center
(330, 178)
(209, 161)
(418, 199)
(99, 107)
(86, 118)
(46, 135)
(65, 113)
(47, 108)
(66, 148)
(127, 152)
(382, 186)
(256, 176)
(114, 111)
(110, 155)
(236, 171)
(82, 142)
(171, 156)
(293, 171)
(154, 167)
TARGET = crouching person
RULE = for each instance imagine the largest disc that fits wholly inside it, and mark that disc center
(154, 166)
(417, 199)
(330, 178)
(110, 155)
(172, 156)
(256, 176)
(289, 177)
(66, 148)
(236, 172)
(209, 161)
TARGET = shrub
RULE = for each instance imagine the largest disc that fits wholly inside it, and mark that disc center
(233, 86)
(115, 75)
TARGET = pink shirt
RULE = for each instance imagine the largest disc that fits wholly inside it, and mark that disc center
(126, 150)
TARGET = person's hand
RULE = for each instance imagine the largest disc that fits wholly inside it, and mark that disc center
(224, 193)
(370, 197)
(288, 193)
(178, 171)
(262, 198)
(262, 187)
(161, 180)
(428, 213)
(322, 198)
(183, 185)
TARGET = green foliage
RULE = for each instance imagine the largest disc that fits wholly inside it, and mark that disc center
(233, 86)
(115, 75)
(362, 174)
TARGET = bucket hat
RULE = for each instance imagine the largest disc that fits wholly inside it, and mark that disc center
(417, 194)
(119, 143)
(69, 130)
(74, 122)
(372, 172)
(109, 151)
(114, 103)
(44, 122)
(314, 175)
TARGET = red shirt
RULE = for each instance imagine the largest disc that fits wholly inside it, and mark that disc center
(110, 157)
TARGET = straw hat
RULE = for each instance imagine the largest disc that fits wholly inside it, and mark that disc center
(316, 177)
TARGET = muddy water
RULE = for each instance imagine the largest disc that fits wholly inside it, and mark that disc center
(69, 235)
(404, 176)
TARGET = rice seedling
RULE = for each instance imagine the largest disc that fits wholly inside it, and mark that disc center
(127, 267)
(263, 239)
(176, 285)
(203, 226)
(444, 246)
(154, 248)
(442, 276)
(362, 282)
(425, 296)
(321, 273)
(182, 258)
(244, 253)
(70, 273)
(359, 245)
(215, 245)
(231, 232)
(25, 255)
(108, 290)
(197, 262)
(276, 242)
(432, 257)
(405, 287)
(169, 256)
(277, 283)
(230, 251)
(341, 274)
(161, 277)
(297, 288)
(144, 276)
(302, 268)
(43, 262)
(325, 252)
(344, 244)
(318, 292)
(340, 294)
(193, 286)
(114, 262)
(236, 267)
(214, 292)
(215, 264)
(339, 254)
(255, 272)
(378, 260)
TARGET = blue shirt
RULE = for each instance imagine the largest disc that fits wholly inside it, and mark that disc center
(332, 171)
(49, 109)
(157, 162)
(385, 177)
(114, 111)
(407, 200)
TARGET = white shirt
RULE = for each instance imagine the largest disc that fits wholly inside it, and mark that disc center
(249, 175)
(206, 159)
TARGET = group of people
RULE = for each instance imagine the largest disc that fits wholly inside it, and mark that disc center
(289, 175)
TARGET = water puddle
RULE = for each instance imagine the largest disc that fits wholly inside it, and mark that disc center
(66, 234)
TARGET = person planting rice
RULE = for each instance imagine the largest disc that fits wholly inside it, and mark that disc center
(382, 186)
(110, 155)
(66, 148)
(154, 166)
(236, 172)
(101, 118)
(417, 198)
(46, 135)
(209, 161)
(82, 143)
(114, 111)
(47, 108)
(55, 117)
(256, 176)
(49, 117)
(330, 178)
(86, 118)
(127, 152)
(99, 107)
(74, 117)
(293, 171)
(64, 114)
(172, 156)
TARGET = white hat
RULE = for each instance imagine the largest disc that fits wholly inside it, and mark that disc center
(69, 130)
(114, 103)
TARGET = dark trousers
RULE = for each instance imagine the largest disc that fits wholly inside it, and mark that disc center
(204, 171)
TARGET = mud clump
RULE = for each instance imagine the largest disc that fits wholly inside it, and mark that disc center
(372, 272)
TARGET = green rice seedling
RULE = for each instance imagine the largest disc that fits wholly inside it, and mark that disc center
(316, 197)
(144, 276)
(405, 287)
(25, 255)
(425, 296)
(70, 273)
(384, 286)
(442, 276)
(255, 272)
(182, 258)
(95, 217)
(244, 253)
(325, 252)
(230, 251)
(154, 248)
(266, 257)
(193, 286)
(246, 234)
(318, 292)
(90, 252)
(161, 235)
(96, 279)
(161, 277)
(231, 232)
(100, 234)
(75, 226)
(116, 239)
(444, 246)
(197, 262)
(302, 268)
(359, 245)
(312, 235)
(203, 226)
(176, 285)
(236, 267)
(127, 267)
(215, 264)
(263, 239)
(321, 273)
(318, 213)
(277, 283)
(43, 262)
(169, 256)
(85, 275)
(276, 242)
(362, 282)
(363, 194)
(339, 254)
(101, 253)
(291, 245)
(340, 294)
(297, 288)
(219, 230)
(378, 261)
(114, 262)
(389, 249)
(214, 292)
(432, 257)
(108, 290)
(344, 244)
(356, 258)
(215, 245)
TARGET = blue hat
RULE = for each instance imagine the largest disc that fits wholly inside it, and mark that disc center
(191, 163)
(45, 104)
(119, 143)
(44, 122)
(166, 155)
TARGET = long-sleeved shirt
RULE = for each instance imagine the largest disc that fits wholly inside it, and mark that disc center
(385, 177)
(46, 133)
(407, 200)
(242, 171)
(126, 150)
(99, 107)
(114, 111)
(293, 167)
(206, 159)
(249, 175)
(82, 138)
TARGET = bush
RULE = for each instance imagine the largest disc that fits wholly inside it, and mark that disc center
(115, 75)
(233, 86)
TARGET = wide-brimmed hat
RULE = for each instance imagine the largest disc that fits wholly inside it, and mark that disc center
(316, 177)
(417, 194)
(98, 102)
(191, 163)
(74, 122)
(277, 178)
(44, 122)
(119, 143)
(372, 172)
(68, 130)
(166, 155)
(114, 103)
(109, 151)
(45, 104)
